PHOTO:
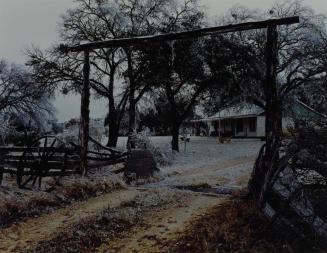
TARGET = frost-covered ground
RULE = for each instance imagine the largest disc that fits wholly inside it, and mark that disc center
(206, 161)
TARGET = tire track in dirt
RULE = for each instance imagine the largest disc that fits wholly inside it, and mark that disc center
(26, 234)
(161, 226)
(167, 225)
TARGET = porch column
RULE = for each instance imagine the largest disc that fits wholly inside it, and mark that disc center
(219, 128)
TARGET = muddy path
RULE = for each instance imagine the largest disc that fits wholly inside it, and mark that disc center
(27, 234)
(162, 226)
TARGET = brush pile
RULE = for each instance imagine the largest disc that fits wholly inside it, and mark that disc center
(297, 199)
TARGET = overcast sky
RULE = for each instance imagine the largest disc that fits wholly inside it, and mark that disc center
(27, 22)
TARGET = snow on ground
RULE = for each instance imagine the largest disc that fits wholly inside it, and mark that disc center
(207, 161)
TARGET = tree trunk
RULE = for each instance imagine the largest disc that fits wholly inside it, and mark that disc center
(132, 112)
(132, 102)
(113, 129)
(175, 137)
(113, 137)
(113, 124)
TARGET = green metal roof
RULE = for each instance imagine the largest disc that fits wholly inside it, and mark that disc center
(301, 110)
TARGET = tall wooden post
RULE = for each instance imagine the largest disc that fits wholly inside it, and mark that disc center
(273, 117)
(85, 112)
(261, 175)
(273, 102)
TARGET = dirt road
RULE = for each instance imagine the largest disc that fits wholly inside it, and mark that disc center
(148, 236)
(157, 225)
(161, 226)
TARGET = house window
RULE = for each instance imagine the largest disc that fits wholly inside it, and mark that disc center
(253, 124)
(239, 125)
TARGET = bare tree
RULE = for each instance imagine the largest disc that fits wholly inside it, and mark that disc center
(103, 20)
(20, 94)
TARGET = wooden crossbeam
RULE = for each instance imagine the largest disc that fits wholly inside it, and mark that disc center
(115, 43)
(7, 149)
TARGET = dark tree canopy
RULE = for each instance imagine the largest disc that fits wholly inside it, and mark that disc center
(96, 20)
(301, 48)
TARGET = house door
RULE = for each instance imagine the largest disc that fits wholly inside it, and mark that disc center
(246, 127)
(240, 129)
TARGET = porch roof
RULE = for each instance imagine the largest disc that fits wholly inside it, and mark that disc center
(234, 112)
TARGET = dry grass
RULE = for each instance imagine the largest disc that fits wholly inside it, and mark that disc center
(86, 236)
(195, 187)
(16, 207)
(157, 176)
(82, 189)
(243, 180)
(232, 227)
(91, 233)
(18, 204)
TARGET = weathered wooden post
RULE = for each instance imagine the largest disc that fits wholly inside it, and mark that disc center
(85, 112)
(273, 103)
(273, 116)
(261, 175)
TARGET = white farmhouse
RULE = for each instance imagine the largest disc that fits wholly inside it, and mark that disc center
(248, 120)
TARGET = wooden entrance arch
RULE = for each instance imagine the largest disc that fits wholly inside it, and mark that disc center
(273, 110)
